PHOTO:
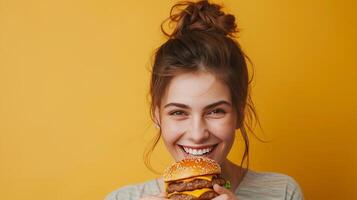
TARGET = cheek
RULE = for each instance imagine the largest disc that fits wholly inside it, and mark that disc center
(223, 129)
(172, 130)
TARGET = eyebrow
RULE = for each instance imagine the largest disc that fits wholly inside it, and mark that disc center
(180, 105)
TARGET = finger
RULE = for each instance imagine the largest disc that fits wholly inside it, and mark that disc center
(162, 194)
(221, 190)
(222, 197)
(154, 198)
(224, 194)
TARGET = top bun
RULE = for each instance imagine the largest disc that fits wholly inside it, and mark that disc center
(200, 16)
(190, 167)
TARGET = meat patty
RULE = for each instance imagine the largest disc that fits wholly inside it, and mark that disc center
(205, 196)
(208, 195)
(193, 185)
(182, 197)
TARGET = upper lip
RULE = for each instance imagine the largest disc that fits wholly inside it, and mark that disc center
(198, 147)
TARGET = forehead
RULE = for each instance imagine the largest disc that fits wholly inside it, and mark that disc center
(196, 89)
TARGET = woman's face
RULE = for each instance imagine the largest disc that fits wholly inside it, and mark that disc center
(197, 117)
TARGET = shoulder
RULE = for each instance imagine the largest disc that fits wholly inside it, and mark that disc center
(135, 191)
(271, 185)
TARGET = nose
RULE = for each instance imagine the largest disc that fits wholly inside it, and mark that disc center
(198, 132)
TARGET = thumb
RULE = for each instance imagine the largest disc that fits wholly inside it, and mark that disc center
(220, 190)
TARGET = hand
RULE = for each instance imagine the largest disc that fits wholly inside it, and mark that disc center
(224, 194)
(161, 196)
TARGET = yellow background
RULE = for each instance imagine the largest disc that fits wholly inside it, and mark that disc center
(74, 116)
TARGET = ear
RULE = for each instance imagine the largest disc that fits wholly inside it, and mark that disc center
(157, 116)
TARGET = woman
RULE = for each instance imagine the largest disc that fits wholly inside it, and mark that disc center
(200, 98)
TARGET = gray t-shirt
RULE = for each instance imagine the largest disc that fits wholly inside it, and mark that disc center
(255, 186)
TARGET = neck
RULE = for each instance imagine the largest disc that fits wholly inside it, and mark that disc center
(231, 172)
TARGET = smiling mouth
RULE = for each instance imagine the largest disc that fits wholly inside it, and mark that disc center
(198, 151)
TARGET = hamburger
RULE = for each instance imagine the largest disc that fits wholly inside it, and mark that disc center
(192, 179)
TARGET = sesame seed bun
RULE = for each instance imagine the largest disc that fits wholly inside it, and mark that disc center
(190, 167)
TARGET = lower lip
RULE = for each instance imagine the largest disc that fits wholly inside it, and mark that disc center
(206, 154)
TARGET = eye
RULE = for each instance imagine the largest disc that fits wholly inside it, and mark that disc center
(177, 113)
(217, 112)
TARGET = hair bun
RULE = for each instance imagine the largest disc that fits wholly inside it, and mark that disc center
(200, 16)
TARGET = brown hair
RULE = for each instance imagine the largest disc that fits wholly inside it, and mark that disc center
(203, 39)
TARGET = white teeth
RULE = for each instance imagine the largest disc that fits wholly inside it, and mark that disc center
(197, 152)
